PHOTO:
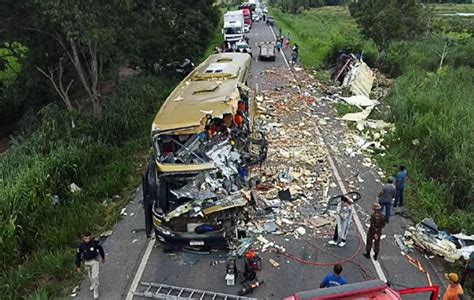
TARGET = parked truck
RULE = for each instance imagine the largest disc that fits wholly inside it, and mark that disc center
(233, 26)
(247, 12)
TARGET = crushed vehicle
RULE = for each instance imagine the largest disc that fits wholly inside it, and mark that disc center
(178, 70)
(427, 236)
(204, 143)
(267, 51)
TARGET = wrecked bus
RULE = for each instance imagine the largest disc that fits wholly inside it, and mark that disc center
(202, 145)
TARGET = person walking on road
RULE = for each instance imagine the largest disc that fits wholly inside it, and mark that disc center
(293, 58)
(334, 278)
(400, 181)
(278, 45)
(469, 268)
(89, 252)
(454, 289)
(377, 223)
(344, 212)
(386, 196)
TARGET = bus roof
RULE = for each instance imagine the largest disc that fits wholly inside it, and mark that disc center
(210, 89)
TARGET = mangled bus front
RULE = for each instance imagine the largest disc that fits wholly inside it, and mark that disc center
(193, 186)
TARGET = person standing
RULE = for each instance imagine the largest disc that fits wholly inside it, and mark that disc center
(344, 212)
(89, 252)
(386, 196)
(278, 45)
(334, 278)
(469, 268)
(377, 223)
(454, 289)
(400, 181)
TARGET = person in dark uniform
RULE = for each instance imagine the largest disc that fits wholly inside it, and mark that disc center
(377, 222)
(89, 252)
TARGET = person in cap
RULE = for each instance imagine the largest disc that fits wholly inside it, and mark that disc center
(377, 223)
(89, 252)
(386, 195)
(454, 289)
(344, 218)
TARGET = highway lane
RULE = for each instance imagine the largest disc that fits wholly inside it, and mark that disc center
(131, 258)
(291, 276)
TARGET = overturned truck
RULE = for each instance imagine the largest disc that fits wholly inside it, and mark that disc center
(204, 143)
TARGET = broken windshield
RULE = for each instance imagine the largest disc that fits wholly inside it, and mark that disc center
(175, 149)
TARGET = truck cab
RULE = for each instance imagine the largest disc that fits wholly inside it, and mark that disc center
(234, 26)
(247, 16)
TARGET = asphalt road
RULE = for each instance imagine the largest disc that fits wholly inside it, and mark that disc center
(128, 261)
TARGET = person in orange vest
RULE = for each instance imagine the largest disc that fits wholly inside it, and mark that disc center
(454, 289)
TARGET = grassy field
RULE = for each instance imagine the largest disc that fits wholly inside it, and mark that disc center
(430, 107)
(453, 8)
(104, 158)
(321, 33)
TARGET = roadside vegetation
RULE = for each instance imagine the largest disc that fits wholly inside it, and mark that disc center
(430, 101)
(102, 149)
(322, 33)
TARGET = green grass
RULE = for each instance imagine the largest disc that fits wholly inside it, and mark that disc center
(431, 108)
(104, 158)
(434, 135)
(453, 8)
(321, 33)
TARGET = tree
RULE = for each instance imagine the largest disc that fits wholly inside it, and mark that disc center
(71, 38)
(385, 21)
(73, 45)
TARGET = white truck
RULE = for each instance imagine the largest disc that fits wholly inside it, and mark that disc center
(233, 26)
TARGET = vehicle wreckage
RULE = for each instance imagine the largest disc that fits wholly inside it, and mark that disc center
(204, 143)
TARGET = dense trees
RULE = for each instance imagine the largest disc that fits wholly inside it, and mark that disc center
(385, 21)
(75, 45)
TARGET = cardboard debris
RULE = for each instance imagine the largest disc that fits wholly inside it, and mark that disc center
(359, 116)
(360, 101)
(301, 230)
(74, 188)
(359, 79)
(273, 263)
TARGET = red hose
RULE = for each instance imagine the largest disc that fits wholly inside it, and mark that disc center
(350, 259)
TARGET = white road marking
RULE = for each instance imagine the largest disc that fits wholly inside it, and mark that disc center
(140, 270)
(357, 221)
(355, 216)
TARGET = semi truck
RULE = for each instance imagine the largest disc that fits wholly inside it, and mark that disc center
(247, 9)
(233, 26)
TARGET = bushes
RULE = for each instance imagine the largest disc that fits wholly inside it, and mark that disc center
(322, 33)
(96, 155)
(431, 109)
(435, 121)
